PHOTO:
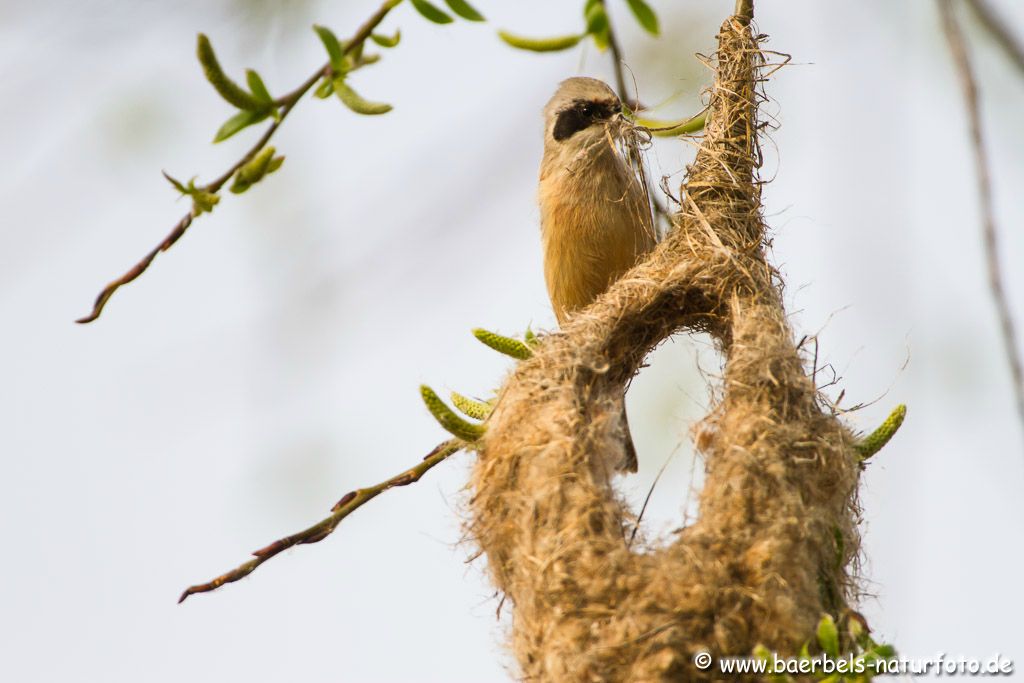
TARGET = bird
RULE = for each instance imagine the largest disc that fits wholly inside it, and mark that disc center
(596, 220)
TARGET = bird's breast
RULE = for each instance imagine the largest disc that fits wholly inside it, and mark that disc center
(595, 225)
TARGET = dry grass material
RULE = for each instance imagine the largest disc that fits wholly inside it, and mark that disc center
(776, 532)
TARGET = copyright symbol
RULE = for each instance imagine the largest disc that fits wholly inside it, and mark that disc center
(702, 660)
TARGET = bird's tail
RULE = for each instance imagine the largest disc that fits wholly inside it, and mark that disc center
(628, 462)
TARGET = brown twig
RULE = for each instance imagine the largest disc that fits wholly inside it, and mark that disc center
(348, 504)
(968, 85)
(996, 27)
(287, 103)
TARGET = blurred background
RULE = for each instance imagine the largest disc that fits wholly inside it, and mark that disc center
(270, 362)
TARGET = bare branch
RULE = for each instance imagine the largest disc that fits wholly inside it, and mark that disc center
(287, 103)
(968, 85)
(348, 504)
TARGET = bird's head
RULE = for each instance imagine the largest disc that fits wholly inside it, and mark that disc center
(581, 115)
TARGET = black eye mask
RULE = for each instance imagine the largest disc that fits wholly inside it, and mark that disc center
(580, 115)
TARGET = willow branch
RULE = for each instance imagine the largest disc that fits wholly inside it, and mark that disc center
(287, 103)
(968, 85)
(996, 27)
(348, 504)
(618, 64)
(744, 11)
(620, 76)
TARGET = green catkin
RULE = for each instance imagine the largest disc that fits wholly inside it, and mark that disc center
(506, 345)
(555, 44)
(448, 419)
(261, 165)
(876, 440)
(227, 88)
(476, 409)
(354, 101)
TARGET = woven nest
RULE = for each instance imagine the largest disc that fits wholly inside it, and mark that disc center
(777, 526)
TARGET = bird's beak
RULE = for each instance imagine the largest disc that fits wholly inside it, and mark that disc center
(621, 123)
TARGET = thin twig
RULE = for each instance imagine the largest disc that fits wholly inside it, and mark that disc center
(996, 27)
(647, 499)
(958, 48)
(348, 504)
(660, 212)
(287, 103)
(620, 76)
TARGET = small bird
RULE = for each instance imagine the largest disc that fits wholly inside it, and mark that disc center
(595, 217)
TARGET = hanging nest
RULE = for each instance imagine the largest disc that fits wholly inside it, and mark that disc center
(776, 534)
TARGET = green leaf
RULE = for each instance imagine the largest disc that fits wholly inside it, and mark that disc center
(541, 44)
(256, 85)
(261, 165)
(354, 101)
(177, 183)
(828, 636)
(597, 18)
(232, 93)
(237, 122)
(430, 12)
(325, 89)
(386, 41)
(448, 419)
(645, 15)
(884, 651)
(531, 338)
(202, 199)
(465, 10)
(203, 202)
(597, 23)
(673, 129)
(765, 655)
(334, 50)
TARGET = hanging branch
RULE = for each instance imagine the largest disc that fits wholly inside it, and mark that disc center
(256, 105)
(465, 433)
(348, 504)
(996, 27)
(968, 85)
(618, 65)
(619, 68)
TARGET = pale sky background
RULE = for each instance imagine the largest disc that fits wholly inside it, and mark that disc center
(270, 362)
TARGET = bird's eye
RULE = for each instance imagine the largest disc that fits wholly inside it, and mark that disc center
(579, 116)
